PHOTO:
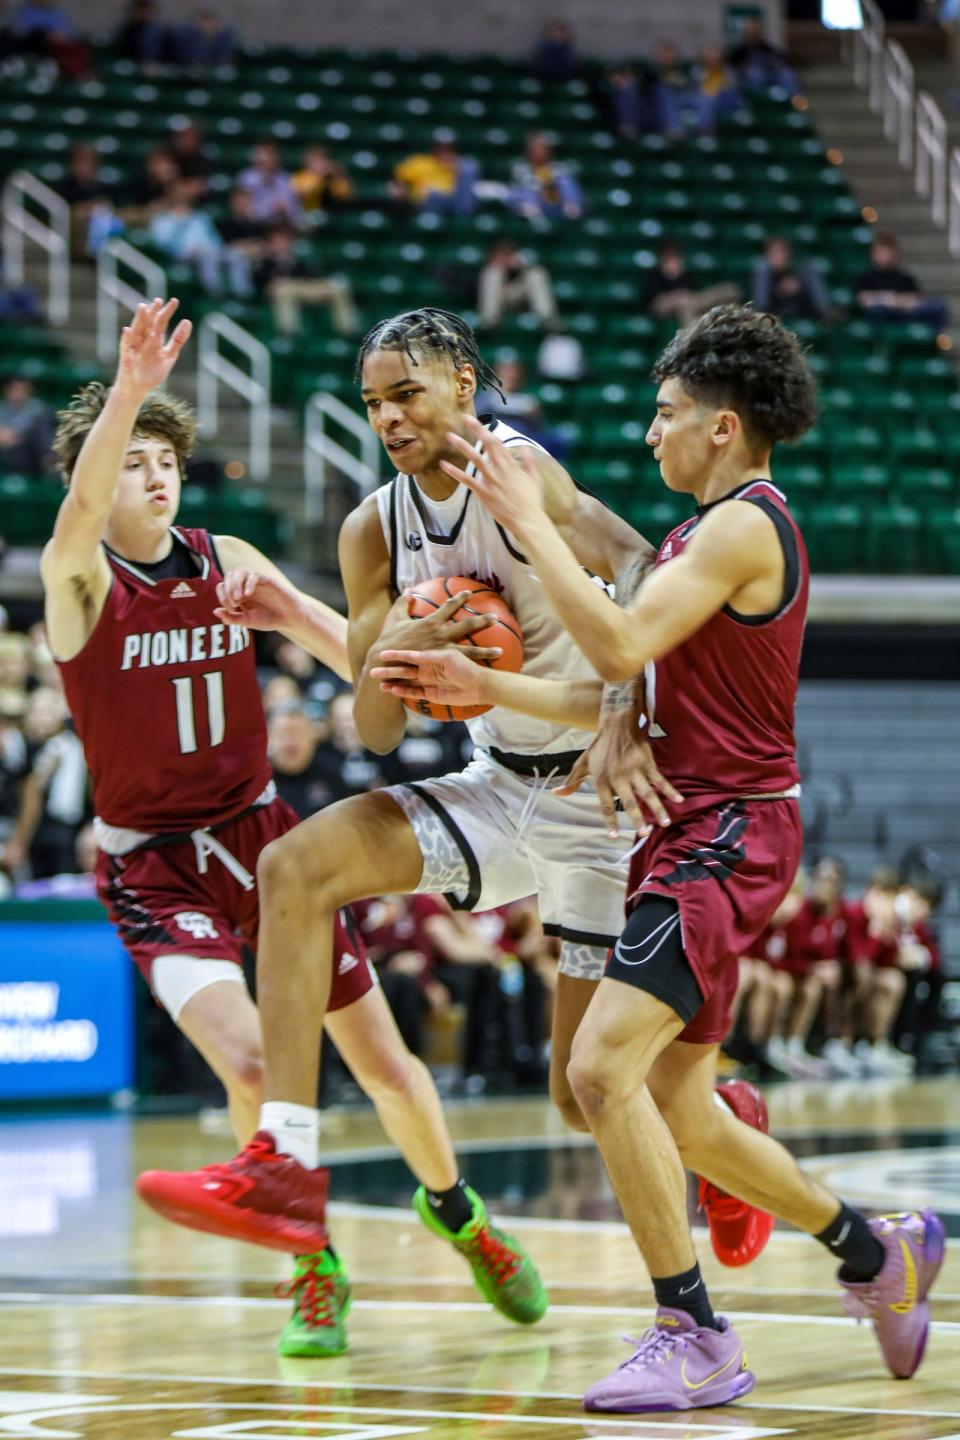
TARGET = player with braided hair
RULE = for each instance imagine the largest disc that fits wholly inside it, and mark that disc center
(494, 832)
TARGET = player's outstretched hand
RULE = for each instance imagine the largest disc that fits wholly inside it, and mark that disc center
(623, 770)
(512, 492)
(443, 677)
(146, 355)
(401, 631)
(260, 602)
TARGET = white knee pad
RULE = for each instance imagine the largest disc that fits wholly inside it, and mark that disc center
(175, 979)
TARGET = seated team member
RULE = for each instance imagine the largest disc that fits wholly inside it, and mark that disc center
(138, 617)
(494, 832)
(822, 941)
(878, 982)
(799, 990)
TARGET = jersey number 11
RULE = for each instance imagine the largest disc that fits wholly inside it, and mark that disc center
(186, 713)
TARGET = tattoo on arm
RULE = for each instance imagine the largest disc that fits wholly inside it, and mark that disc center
(626, 695)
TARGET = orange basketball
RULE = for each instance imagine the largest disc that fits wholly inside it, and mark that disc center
(503, 630)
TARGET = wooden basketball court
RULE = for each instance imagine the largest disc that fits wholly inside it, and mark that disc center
(115, 1324)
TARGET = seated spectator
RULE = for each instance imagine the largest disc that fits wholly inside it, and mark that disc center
(352, 769)
(183, 232)
(289, 283)
(627, 102)
(26, 429)
(321, 183)
(758, 64)
(824, 942)
(76, 883)
(555, 58)
(272, 196)
(240, 232)
(141, 38)
(519, 407)
(782, 287)
(510, 280)
(429, 747)
(717, 88)
(543, 189)
(921, 963)
(89, 197)
(798, 990)
(441, 182)
(888, 292)
(39, 27)
(303, 779)
(677, 105)
(191, 158)
(19, 304)
(671, 292)
(53, 794)
(160, 173)
(206, 42)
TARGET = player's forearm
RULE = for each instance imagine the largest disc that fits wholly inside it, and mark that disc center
(322, 633)
(601, 630)
(560, 702)
(381, 718)
(95, 475)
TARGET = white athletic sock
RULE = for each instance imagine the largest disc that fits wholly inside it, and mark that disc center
(295, 1130)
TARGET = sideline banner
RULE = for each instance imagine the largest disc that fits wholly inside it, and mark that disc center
(66, 1010)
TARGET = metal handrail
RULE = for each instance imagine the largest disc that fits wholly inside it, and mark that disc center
(953, 202)
(114, 292)
(899, 90)
(214, 369)
(321, 450)
(931, 155)
(52, 235)
(868, 52)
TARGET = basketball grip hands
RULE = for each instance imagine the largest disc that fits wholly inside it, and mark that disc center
(402, 635)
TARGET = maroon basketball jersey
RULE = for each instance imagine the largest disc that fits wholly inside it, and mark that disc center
(722, 703)
(165, 700)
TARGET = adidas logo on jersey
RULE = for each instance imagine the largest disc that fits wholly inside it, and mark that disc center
(348, 962)
(665, 554)
(182, 591)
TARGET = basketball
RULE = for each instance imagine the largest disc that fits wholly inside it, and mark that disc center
(503, 630)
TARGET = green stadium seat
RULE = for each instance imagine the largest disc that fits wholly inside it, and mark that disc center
(895, 540)
(835, 537)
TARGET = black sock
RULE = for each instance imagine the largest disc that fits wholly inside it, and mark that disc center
(850, 1238)
(687, 1292)
(452, 1207)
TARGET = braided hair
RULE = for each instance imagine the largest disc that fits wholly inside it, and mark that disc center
(432, 332)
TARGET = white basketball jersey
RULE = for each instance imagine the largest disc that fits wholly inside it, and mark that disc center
(457, 536)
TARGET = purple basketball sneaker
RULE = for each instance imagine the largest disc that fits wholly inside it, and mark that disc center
(896, 1300)
(676, 1366)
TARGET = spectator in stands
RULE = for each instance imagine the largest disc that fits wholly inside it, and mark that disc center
(438, 182)
(141, 38)
(53, 793)
(289, 283)
(542, 188)
(76, 883)
(888, 292)
(322, 183)
(272, 195)
(157, 178)
(19, 305)
(716, 83)
(671, 293)
(188, 234)
(207, 41)
(39, 27)
(303, 779)
(510, 280)
(26, 429)
(520, 407)
(191, 157)
(242, 234)
(14, 763)
(782, 287)
(758, 64)
(90, 199)
(677, 105)
(352, 770)
(555, 58)
(627, 103)
(428, 748)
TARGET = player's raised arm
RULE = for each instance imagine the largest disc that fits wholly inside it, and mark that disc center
(256, 593)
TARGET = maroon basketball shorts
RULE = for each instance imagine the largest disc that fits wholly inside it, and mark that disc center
(162, 903)
(727, 866)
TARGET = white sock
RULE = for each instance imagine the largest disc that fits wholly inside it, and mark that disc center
(295, 1130)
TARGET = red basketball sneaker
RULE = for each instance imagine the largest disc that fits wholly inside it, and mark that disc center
(738, 1231)
(265, 1198)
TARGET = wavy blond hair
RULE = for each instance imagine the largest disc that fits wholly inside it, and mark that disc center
(161, 417)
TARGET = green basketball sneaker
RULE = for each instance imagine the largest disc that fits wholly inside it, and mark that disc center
(502, 1270)
(320, 1291)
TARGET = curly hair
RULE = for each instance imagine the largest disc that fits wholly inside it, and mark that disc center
(433, 332)
(161, 417)
(739, 357)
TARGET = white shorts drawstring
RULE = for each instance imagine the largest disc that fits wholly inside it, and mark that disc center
(206, 844)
